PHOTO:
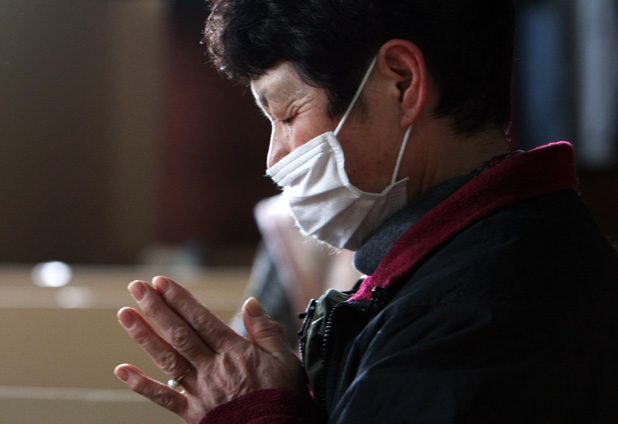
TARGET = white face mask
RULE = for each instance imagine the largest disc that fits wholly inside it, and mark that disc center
(321, 198)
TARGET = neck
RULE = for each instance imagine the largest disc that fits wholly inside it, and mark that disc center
(437, 154)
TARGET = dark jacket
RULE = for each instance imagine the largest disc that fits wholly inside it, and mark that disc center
(500, 305)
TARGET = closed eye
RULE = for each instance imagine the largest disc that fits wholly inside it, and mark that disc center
(287, 121)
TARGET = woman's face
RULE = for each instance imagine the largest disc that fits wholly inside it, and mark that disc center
(298, 113)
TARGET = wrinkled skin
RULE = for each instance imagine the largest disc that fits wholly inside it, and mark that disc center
(222, 365)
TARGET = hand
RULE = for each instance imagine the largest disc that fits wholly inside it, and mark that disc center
(221, 364)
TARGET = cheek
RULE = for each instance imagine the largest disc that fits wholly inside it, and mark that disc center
(300, 135)
(307, 127)
(286, 138)
(367, 163)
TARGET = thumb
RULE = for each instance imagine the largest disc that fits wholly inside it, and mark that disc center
(262, 330)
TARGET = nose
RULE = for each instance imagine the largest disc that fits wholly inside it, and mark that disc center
(276, 149)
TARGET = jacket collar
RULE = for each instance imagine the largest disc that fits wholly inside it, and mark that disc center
(535, 173)
(370, 254)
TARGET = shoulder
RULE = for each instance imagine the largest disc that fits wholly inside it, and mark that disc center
(505, 306)
(545, 246)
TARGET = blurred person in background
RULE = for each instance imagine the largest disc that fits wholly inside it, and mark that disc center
(491, 295)
(290, 269)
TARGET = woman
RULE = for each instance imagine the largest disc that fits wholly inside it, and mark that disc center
(491, 295)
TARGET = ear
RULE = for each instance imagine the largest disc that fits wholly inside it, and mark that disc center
(403, 63)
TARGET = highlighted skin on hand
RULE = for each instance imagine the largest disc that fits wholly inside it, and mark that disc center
(222, 365)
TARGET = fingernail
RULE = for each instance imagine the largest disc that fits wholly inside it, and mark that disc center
(126, 318)
(161, 284)
(137, 290)
(254, 308)
(121, 373)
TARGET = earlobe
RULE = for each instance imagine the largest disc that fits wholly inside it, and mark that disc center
(402, 61)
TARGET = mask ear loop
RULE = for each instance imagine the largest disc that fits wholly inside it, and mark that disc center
(402, 150)
(406, 137)
(356, 95)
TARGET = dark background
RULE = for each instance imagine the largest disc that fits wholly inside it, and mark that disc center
(119, 143)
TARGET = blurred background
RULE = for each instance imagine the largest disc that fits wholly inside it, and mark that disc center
(118, 140)
(124, 155)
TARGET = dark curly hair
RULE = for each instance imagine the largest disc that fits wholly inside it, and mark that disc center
(467, 46)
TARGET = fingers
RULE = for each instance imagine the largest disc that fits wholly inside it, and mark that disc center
(222, 364)
(174, 327)
(161, 352)
(268, 335)
(151, 389)
(264, 332)
(217, 335)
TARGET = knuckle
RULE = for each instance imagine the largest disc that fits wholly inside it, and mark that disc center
(153, 311)
(205, 326)
(158, 394)
(167, 362)
(180, 337)
(161, 397)
(139, 386)
(142, 338)
(277, 328)
(200, 320)
(269, 329)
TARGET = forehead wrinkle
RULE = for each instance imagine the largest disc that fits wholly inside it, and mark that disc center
(279, 88)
